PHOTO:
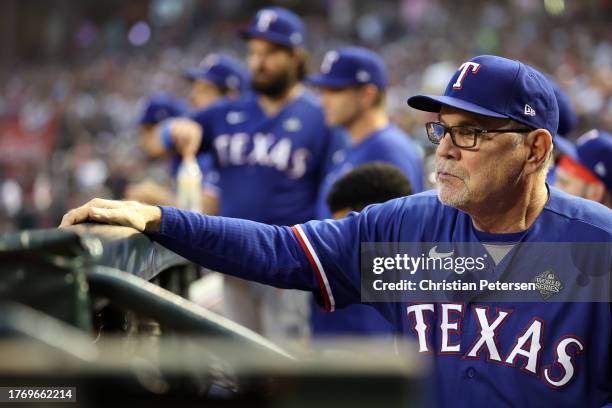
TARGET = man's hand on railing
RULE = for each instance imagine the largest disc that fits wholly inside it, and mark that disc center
(144, 218)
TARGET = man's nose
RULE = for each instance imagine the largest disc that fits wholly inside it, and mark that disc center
(447, 149)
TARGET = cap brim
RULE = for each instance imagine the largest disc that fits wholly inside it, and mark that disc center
(323, 81)
(433, 103)
(268, 36)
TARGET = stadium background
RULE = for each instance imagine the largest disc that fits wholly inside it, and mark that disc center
(73, 74)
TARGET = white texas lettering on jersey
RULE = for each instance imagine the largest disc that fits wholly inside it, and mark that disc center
(464, 68)
(488, 334)
(533, 337)
(527, 347)
(266, 150)
(565, 361)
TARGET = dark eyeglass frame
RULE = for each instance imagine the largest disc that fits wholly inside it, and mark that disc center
(476, 132)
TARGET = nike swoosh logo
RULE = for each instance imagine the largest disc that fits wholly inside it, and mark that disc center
(433, 253)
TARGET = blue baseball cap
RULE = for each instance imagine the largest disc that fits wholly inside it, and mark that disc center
(497, 87)
(566, 147)
(594, 151)
(277, 25)
(160, 107)
(350, 66)
(567, 114)
(222, 70)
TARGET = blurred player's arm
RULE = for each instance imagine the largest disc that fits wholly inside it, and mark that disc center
(150, 143)
(178, 135)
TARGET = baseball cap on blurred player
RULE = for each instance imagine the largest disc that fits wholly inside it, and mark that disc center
(161, 107)
(566, 147)
(497, 87)
(567, 115)
(350, 66)
(594, 151)
(277, 25)
(223, 71)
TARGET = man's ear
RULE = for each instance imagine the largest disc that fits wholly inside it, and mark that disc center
(540, 147)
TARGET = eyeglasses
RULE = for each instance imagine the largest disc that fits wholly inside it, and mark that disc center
(463, 136)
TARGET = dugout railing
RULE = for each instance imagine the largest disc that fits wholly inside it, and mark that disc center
(55, 284)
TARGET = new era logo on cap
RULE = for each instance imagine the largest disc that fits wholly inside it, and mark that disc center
(363, 76)
(529, 111)
(600, 169)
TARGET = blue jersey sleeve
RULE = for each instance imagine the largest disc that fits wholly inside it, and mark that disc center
(319, 256)
(334, 249)
(284, 257)
(246, 249)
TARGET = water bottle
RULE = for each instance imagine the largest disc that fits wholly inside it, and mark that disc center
(189, 185)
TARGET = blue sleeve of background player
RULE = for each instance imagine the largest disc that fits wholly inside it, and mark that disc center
(284, 257)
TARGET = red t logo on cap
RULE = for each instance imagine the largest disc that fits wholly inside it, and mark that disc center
(464, 68)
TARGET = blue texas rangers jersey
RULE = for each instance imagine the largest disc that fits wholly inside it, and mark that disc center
(390, 145)
(269, 167)
(495, 354)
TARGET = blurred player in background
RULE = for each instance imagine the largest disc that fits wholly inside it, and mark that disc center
(157, 108)
(495, 129)
(217, 77)
(352, 85)
(567, 123)
(586, 169)
(271, 149)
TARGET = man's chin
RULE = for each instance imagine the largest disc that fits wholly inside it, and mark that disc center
(451, 197)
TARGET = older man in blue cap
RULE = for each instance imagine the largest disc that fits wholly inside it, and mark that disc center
(494, 135)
